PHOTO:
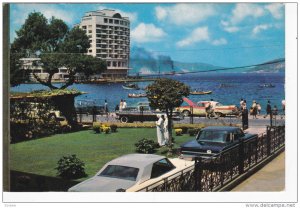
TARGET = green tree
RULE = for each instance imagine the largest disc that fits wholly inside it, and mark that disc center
(58, 47)
(167, 94)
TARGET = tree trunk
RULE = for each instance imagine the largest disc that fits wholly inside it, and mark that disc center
(170, 142)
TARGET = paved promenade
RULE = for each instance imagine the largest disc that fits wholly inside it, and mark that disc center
(270, 178)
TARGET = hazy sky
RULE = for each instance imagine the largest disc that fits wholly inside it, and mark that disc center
(223, 34)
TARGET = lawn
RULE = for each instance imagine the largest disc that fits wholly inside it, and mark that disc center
(40, 156)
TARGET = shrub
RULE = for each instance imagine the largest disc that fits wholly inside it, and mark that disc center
(184, 129)
(193, 132)
(113, 128)
(105, 129)
(97, 127)
(70, 167)
(178, 132)
(146, 146)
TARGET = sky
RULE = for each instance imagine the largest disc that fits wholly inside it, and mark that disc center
(221, 34)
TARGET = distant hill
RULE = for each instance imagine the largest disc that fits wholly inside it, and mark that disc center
(146, 62)
(274, 66)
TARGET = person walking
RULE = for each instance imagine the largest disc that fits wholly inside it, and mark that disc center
(208, 108)
(254, 109)
(160, 129)
(268, 109)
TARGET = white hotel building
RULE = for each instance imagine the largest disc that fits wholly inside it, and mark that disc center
(109, 35)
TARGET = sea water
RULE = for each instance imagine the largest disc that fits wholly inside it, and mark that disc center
(227, 88)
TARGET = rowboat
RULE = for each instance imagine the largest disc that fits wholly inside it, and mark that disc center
(200, 92)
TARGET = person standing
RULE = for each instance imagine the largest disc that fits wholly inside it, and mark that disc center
(245, 123)
(124, 104)
(166, 131)
(258, 108)
(106, 107)
(241, 103)
(160, 129)
(268, 109)
(283, 107)
(121, 105)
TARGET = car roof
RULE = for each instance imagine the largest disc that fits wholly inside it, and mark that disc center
(222, 128)
(136, 160)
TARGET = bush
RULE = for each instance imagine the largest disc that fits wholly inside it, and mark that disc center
(70, 167)
(146, 146)
(193, 132)
(113, 128)
(184, 129)
(97, 127)
(178, 132)
(105, 129)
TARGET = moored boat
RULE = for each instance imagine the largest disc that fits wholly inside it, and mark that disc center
(139, 95)
(130, 87)
(200, 92)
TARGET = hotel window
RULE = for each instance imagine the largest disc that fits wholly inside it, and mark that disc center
(116, 21)
(105, 20)
(108, 63)
(90, 31)
(90, 51)
(110, 21)
(90, 26)
(84, 27)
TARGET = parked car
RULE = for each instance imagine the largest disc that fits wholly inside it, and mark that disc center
(213, 140)
(131, 172)
(142, 112)
(89, 107)
(220, 109)
(199, 109)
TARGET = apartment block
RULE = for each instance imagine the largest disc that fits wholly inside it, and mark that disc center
(109, 35)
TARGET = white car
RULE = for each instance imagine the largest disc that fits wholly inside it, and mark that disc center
(132, 172)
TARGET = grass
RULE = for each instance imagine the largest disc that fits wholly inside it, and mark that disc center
(40, 156)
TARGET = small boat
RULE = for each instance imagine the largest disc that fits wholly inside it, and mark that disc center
(200, 92)
(139, 95)
(130, 87)
(267, 85)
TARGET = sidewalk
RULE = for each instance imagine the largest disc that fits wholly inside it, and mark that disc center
(269, 178)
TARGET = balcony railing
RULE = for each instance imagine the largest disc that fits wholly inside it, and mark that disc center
(215, 173)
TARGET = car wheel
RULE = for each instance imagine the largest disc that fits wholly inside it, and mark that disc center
(186, 113)
(124, 119)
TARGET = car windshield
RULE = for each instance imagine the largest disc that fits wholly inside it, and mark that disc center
(122, 172)
(212, 136)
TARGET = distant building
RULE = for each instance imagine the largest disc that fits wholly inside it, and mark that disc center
(27, 64)
(109, 35)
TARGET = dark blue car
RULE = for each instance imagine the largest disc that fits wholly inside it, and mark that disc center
(213, 140)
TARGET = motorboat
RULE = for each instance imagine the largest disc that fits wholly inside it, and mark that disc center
(130, 86)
